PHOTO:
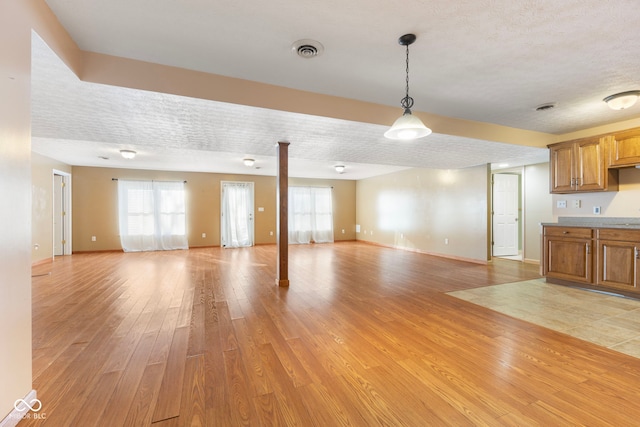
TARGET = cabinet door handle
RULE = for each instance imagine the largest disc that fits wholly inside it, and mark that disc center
(565, 232)
(637, 253)
(588, 248)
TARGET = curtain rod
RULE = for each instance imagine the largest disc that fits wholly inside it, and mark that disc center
(144, 180)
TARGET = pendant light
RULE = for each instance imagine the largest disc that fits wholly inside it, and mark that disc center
(408, 126)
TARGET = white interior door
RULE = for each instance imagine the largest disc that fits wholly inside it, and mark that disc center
(236, 216)
(58, 215)
(505, 214)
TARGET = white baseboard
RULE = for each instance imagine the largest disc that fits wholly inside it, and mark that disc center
(16, 415)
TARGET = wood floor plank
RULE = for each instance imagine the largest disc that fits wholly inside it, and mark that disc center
(170, 394)
(123, 397)
(91, 410)
(192, 409)
(162, 345)
(143, 404)
(292, 407)
(250, 355)
(365, 335)
(268, 410)
(242, 404)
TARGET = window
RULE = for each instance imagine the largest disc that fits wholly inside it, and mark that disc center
(310, 215)
(152, 215)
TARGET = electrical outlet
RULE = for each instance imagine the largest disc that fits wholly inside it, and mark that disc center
(204, 235)
(576, 203)
(93, 238)
(446, 241)
(561, 204)
(343, 231)
(271, 233)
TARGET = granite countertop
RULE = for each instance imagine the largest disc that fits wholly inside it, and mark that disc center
(592, 222)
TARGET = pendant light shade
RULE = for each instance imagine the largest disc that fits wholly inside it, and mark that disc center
(408, 126)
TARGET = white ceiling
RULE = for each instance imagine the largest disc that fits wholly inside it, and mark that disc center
(484, 60)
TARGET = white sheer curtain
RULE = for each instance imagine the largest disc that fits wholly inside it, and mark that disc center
(152, 215)
(237, 212)
(310, 215)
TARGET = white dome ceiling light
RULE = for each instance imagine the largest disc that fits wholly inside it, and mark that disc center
(623, 100)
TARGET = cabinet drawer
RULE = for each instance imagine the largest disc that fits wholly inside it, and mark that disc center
(619, 234)
(574, 232)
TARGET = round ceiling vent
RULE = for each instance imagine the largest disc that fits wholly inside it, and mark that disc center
(307, 48)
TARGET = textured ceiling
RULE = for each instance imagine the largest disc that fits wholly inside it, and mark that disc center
(484, 60)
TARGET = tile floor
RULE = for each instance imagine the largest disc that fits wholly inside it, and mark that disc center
(608, 320)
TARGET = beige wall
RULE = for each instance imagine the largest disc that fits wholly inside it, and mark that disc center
(15, 214)
(622, 203)
(95, 205)
(537, 208)
(42, 169)
(418, 209)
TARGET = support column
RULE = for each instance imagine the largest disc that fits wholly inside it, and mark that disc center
(282, 202)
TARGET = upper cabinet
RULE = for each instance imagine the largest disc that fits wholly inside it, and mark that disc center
(581, 166)
(624, 148)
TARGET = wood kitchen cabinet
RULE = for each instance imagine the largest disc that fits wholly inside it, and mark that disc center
(617, 258)
(568, 254)
(581, 166)
(624, 148)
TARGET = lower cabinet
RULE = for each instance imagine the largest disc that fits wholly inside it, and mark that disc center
(568, 254)
(618, 261)
(601, 258)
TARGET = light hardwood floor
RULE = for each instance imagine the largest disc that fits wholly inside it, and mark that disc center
(363, 336)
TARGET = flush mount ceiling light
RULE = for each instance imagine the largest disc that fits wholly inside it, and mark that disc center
(249, 162)
(408, 126)
(339, 168)
(128, 154)
(622, 100)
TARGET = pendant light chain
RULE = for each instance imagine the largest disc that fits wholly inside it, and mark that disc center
(407, 101)
(407, 127)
